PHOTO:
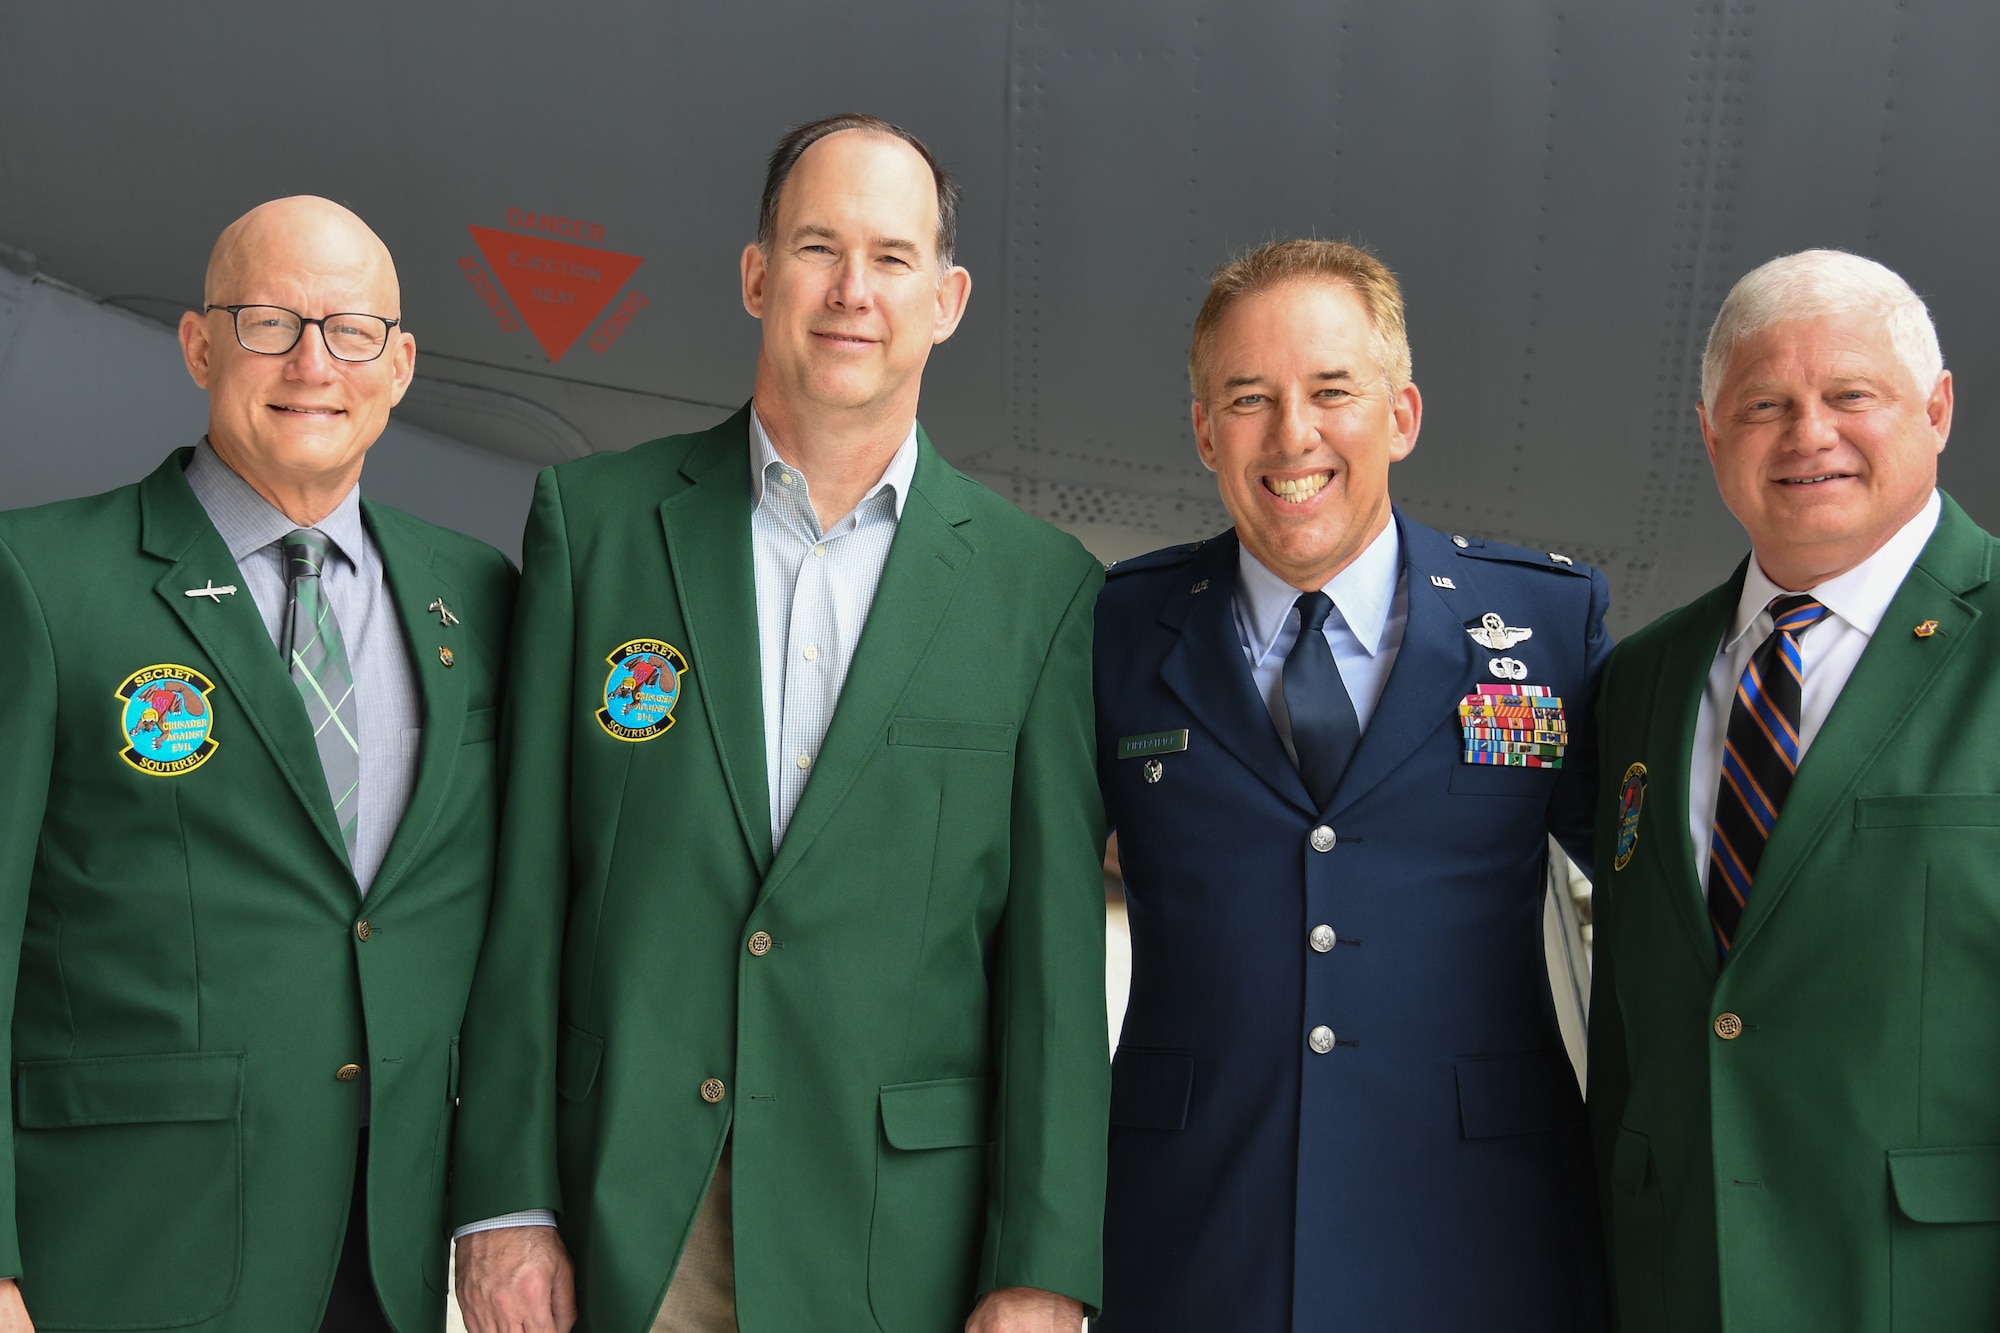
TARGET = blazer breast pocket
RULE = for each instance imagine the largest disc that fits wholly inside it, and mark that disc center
(937, 733)
(1928, 810)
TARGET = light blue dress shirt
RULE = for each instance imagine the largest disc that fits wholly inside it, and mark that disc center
(814, 591)
(1371, 605)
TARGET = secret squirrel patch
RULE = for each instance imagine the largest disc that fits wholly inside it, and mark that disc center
(168, 724)
(1631, 795)
(642, 689)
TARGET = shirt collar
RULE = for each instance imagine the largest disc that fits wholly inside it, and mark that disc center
(896, 477)
(1860, 597)
(247, 522)
(1363, 594)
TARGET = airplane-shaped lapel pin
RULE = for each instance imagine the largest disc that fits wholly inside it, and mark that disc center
(444, 615)
(213, 593)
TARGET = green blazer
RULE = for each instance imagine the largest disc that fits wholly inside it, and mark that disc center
(899, 1017)
(195, 962)
(1809, 1138)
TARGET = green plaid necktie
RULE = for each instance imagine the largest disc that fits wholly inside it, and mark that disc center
(317, 658)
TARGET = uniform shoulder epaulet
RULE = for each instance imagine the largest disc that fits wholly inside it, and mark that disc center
(1476, 548)
(1167, 557)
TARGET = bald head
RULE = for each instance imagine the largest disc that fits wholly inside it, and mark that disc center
(303, 232)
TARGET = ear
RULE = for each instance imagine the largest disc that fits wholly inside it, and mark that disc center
(1408, 413)
(952, 294)
(195, 346)
(756, 264)
(1938, 409)
(1204, 440)
(404, 367)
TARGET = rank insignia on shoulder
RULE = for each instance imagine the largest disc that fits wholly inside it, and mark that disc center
(642, 689)
(168, 724)
(1514, 726)
(1631, 796)
(1153, 743)
(1559, 558)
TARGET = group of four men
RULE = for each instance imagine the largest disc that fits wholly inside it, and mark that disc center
(756, 981)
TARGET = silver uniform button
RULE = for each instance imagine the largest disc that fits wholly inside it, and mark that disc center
(1320, 1039)
(1460, 542)
(1322, 938)
(1322, 839)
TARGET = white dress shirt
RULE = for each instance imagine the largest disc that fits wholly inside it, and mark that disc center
(1857, 601)
(814, 591)
(1371, 604)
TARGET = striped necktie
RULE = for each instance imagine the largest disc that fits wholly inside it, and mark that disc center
(317, 658)
(1760, 753)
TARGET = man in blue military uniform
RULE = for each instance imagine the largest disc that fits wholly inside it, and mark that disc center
(1341, 1099)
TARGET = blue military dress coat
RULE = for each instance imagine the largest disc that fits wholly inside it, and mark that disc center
(1430, 1170)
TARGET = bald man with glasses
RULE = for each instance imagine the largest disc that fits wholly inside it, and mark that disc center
(246, 837)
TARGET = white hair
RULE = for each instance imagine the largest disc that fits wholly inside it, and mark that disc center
(1813, 283)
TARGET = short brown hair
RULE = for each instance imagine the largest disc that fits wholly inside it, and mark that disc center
(801, 137)
(1278, 262)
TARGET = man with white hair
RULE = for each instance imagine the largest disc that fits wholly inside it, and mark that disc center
(1794, 1090)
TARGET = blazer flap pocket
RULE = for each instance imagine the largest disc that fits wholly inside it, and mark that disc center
(479, 725)
(1929, 810)
(128, 1090)
(944, 1113)
(576, 1063)
(1529, 1093)
(1947, 1184)
(1630, 1157)
(1151, 1087)
(949, 734)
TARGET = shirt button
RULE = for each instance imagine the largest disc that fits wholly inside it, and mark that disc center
(347, 1073)
(1322, 938)
(712, 1090)
(819, 552)
(785, 477)
(1323, 839)
(811, 653)
(805, 761)
(1728, 1026)
(760, 944)
(1320, 1039)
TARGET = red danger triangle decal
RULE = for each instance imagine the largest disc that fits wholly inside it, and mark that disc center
(558, 288)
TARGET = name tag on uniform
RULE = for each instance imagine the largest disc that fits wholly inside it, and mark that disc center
(1152, 743)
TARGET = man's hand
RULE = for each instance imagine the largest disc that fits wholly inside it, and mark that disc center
(510, 1280)
(13, 1314)
(1025, 1310)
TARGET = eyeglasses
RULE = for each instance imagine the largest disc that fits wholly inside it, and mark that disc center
(273, 331)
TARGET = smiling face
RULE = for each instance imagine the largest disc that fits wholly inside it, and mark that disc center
(1300, 427)
(851, 293)
(299, 422)
(1823, 443)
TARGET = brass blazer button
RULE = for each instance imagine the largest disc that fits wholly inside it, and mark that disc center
(347, 1073)
(712, 1090)
(1728, 1026)
(760, 944)
(362, 930)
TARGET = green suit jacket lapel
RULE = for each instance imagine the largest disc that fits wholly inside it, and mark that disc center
(412, 581)
(708, 550)
(926, 561)
(1677, 694)
(1895, 672)
(175, 528)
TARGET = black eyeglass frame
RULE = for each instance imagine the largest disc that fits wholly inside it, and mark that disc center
(236, 311)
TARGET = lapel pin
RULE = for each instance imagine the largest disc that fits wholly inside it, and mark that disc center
(444, 615)
(213, 593)
(1155, 770)
(1440, 581)
(444, 655)
(1199, 587)
(1925, 630)
(1508, 668)
(1497, 634)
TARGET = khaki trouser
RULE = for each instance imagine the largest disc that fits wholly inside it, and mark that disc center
(702, 1296)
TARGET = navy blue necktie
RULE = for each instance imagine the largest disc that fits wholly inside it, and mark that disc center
(1325, 729)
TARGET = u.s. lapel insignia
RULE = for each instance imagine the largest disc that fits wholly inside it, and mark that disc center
(168, 724)
(1631, 795)
(642, 689)
(1495, 633)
